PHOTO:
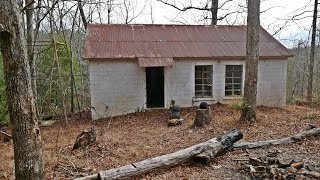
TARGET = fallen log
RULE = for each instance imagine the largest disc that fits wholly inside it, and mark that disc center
(201, 153)
(90, 177)
(287, 140)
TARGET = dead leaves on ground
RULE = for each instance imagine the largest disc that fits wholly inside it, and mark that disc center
(134, 137)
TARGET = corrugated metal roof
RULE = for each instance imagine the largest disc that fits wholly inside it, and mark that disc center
(174, 41)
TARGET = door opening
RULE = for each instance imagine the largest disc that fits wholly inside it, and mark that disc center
(155, 87)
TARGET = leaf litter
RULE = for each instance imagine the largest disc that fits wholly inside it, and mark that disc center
(134, 137)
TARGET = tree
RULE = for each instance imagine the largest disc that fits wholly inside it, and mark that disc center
(248, 112)
(312, 53)
(21, 104)
(212, 8)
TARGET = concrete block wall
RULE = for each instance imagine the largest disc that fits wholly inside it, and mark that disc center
(116, 87)
(272, 78)
(119, 87)
(271, 90)
(181, 80)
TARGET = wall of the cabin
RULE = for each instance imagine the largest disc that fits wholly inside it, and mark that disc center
(116, 87)
(120, 85)
(271, 90)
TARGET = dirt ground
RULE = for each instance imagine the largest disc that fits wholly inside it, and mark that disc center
(134, 137)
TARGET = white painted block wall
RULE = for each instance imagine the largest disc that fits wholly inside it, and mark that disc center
(271, 88)
(116, 87)
(120, 85)
(272, 79)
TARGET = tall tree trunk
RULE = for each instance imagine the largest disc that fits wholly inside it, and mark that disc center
(214, 11)
(26, 133)
(30, 35)
(312, 53)
(30, 46)
(252, 57)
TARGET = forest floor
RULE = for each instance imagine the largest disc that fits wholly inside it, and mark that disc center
(134, 137)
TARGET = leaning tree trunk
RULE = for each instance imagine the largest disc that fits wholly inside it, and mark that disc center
(21, 105)
(252, 56)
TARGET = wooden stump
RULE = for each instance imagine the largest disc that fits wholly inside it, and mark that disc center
(203, 117)
(85, 138)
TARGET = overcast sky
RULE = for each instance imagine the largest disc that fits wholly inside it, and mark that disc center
(277, 15)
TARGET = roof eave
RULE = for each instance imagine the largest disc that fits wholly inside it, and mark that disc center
(194, 58)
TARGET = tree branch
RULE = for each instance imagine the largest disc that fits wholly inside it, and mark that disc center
(184, 8)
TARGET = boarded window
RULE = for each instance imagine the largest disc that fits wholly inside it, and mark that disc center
(233, 81)
(203, 81)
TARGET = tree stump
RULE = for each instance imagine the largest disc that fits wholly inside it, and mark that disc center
(203, 117)
(85, 138)
(174, 110)
(174, 118)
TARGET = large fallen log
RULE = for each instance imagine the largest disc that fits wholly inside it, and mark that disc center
(287, 140)
(202, 153)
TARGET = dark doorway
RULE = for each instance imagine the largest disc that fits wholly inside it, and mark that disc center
(155, 87)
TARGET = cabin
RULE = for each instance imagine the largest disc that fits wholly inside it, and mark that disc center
(136, 67)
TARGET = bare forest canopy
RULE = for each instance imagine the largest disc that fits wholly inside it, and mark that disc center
(55, 40)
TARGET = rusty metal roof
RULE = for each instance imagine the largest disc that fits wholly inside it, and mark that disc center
(154, 43)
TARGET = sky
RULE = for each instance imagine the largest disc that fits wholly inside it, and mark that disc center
(276, 14)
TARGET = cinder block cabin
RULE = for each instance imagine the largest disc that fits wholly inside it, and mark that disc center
(134, 67)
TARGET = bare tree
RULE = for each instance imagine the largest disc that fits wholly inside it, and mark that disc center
(312, 54)
(248, 112)
(26, 133)
(211, 6)
(131, 11)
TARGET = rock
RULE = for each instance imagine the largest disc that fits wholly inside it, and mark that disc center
(302, 171)
(255, 161)
(272, 161)
(264, 158)
(314, 174)
(272, 154)
(289, 177)
(291, 169)
(300, 177)
(274, 171)
(252, 169)
(174, 122)
(216, 167)
(298, 165)
(260, 169)
(203, 105)
(313, 168)
(283, 163)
